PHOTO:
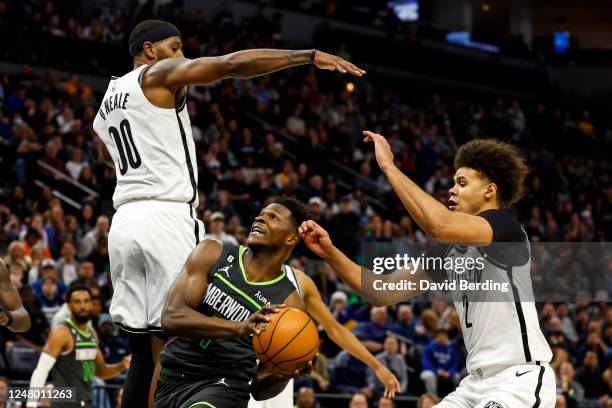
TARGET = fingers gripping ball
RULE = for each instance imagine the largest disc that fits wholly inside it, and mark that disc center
(287, 342)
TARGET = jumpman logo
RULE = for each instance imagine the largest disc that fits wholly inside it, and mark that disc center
(222, 381)
(225, 269)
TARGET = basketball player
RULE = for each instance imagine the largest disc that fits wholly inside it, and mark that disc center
(72, 354)
(507, 353)
(213, 308)
(12, 313)
(147, 133)
(339, 334)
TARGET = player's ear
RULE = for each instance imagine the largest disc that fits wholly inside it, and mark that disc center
(293, 239)
(490, 191)
(149, 51)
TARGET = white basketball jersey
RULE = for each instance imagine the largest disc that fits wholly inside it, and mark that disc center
(498, 327)
(152, 147)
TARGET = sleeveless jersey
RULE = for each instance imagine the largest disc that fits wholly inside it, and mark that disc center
(78, 367)
(499, 328)
(152, 147)
(228, 296)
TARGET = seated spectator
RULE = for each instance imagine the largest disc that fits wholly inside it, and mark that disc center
(318, 378)
(590, 377)
(306, 398)
(48, 290)
(406, 323)
(384, 402)
(67, 265)
(216, 229)
(339, 309)
(86, 273)
(374, 332)
(440, 363)
(90, 240)
(38, 331)
(359, 401)
(568, 386)
(561, 401)
(99, 257)
(17, 272)
(113, 348)
(349, 374)
(427, 400)
(392, 360)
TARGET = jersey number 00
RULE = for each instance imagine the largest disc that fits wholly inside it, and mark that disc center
(128, 154)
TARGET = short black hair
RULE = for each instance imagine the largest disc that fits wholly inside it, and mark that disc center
(500, 162)
(75, 287)
(296, 207)
(142, 29)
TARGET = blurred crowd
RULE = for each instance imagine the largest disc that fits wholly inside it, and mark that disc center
(297, 133)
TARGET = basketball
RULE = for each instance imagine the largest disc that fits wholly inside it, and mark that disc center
(287, 342)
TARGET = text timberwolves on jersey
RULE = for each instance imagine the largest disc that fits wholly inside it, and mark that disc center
(152, 147)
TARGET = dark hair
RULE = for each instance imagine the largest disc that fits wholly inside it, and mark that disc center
(75, 287)
(296, 207)
(150, 30)
(500, 162)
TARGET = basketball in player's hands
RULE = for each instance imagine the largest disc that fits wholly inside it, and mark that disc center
(287, 342)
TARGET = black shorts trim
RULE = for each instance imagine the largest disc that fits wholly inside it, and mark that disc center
(539, 386)
(131, 329)
(521, 316)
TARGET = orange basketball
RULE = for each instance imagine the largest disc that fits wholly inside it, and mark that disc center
(287, 342)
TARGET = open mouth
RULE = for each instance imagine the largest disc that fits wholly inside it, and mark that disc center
(452, 205)
(256, 230)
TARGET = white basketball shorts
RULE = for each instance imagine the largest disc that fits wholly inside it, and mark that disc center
(519, 386)
(148, 243)
(282, 400)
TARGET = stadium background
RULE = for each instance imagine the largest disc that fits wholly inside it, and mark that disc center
(297, 133)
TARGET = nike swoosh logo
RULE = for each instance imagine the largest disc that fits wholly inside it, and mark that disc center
(518, 375)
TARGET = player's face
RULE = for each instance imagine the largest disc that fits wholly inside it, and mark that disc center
(171, 47)
(469, 193)
(80, 306)
(272, 227)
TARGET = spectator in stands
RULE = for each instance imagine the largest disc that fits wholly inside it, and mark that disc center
(590, 377)
(113, 348)
(4, 387)
(359, 401)
(67, 265)
(374, 332)
(384, 402)
(340, 310)
(76, 163)
(99, 256)
(427, 400)
(562, 402)
(216, 229)
(86, 273)
(406, 323)
(306, 398)
(90, 240)
(343, 228)
(48, 290)
(440, 363)
(17, 271)
(350, 374)
(394, 361)
(568, 386)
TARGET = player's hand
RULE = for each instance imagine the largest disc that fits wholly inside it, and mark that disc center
(382, 150)
(331, 62)
(127, 360)
(315, 238)
(286, 375)
(251, 325)
(390, 381)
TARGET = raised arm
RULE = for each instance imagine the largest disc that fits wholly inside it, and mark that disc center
(13, 314)
(173, 73)
(319, 242)
(342, 336)
(441, 224)
(180, 315)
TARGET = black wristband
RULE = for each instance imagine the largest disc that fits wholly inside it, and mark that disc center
(312, 55)
(9, 316)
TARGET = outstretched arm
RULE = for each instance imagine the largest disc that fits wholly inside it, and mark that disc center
(173, 73)
(441, 224)
(13, 315)
(180, 315)
(342, 336)
(318, 241)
